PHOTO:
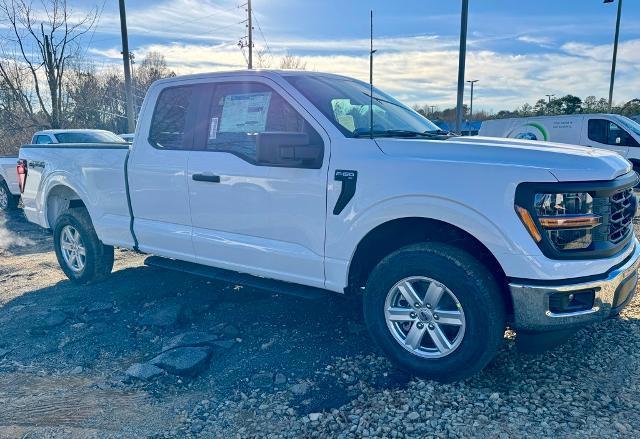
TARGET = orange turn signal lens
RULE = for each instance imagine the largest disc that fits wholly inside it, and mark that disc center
(570, 221)
(526, 219)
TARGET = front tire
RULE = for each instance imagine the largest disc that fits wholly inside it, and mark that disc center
(435, 311)
(8, 201)
(80, 253)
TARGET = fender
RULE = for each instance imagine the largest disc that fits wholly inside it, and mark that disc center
(502, 240)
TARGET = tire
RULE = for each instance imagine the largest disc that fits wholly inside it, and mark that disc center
(8, 201)
(473, 335)
(74, 235)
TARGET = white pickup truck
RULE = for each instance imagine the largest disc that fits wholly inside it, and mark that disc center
(9, 191)
(304, 182)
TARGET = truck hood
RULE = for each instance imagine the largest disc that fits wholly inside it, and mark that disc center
(565, 162)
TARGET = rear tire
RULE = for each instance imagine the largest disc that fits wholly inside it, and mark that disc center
(80, 253)
(8, 201)
(456, 322)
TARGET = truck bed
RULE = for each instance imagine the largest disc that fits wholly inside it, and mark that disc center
(96, 172)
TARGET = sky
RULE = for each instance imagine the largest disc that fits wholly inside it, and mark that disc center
(518, 50)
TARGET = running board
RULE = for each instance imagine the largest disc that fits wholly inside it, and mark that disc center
(233, 277)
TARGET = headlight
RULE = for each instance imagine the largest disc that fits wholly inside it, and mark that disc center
(566, 218)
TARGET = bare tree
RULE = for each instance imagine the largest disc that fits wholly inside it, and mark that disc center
(38, 44)
(292, 62)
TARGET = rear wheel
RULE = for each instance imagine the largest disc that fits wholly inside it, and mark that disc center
(435, 311)
(81, 255)
(7, 200)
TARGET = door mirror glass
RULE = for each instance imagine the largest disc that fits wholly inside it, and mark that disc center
(288, 149)
(618, 140)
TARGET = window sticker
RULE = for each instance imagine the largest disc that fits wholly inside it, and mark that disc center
(245, 113)
(213, 130)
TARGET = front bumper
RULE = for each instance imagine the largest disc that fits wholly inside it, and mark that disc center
(532, 307)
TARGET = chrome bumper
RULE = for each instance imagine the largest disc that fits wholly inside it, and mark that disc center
(531, 301)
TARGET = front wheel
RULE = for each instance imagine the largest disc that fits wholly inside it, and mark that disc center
(435, 311)
(7, 200)
(80, 253)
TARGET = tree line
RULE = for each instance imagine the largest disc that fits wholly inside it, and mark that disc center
(568, 104)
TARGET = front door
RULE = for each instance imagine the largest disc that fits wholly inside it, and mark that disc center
(251, 214)
(603, 133)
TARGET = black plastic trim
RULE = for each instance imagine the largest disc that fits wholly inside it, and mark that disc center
(525, 194)
(349, 181)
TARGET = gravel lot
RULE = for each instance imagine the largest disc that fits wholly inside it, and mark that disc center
(263, 365)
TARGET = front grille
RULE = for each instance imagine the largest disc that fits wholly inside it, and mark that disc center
(623, 208)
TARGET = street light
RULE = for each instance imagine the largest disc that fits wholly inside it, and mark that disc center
(472, 82)
(615, 52)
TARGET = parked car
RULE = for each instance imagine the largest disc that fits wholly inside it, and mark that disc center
(9, 191)
(609, 131)
(279, 180)
(48, 137)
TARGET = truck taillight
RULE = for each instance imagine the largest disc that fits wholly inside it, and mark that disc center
(22, 174)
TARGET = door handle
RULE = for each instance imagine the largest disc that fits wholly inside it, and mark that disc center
(206, 178)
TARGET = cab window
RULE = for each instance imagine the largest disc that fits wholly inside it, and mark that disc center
(246, 119)
(169, 122)
(43, 140)
(608, 133)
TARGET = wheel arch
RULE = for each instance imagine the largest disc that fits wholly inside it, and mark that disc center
(59, 199)
(395, 234)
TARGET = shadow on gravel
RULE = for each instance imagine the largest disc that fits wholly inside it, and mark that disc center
(266, 341)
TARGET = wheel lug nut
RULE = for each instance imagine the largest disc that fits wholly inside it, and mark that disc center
(436, 316)
(428, 306)
(417, 305)
(420, 325)
(431, 326)
(413, 315)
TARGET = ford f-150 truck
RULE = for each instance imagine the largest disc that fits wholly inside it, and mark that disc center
(307, 182)
(9, 193)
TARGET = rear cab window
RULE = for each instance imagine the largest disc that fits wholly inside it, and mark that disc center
(169, 124)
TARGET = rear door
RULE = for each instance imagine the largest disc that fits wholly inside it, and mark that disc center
(248, 216)
(604, 133)
(157, 172)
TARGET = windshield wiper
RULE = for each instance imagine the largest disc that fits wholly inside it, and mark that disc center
(363, 132)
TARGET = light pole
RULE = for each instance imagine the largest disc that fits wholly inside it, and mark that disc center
(472, 82)
(615, 52)
(464, 18)
(550, 96)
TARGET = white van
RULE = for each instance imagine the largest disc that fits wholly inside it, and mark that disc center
(609, 131)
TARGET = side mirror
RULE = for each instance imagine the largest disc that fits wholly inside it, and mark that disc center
(287, 149)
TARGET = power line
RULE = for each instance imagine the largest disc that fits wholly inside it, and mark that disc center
(262, 33)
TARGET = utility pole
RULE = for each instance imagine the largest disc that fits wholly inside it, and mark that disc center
(549, 97)
(615, 52)
(247, 40)
(461, 63)
(250, 33)
(433, 109)
(131, 121)
(472, 82)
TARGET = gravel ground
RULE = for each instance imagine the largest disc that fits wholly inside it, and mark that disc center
(88, 362)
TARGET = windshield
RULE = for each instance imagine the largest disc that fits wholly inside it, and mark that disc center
(347, 104)
(89, 137)
(629, 124)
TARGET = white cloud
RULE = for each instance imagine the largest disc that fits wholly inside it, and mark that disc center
(429, 75)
